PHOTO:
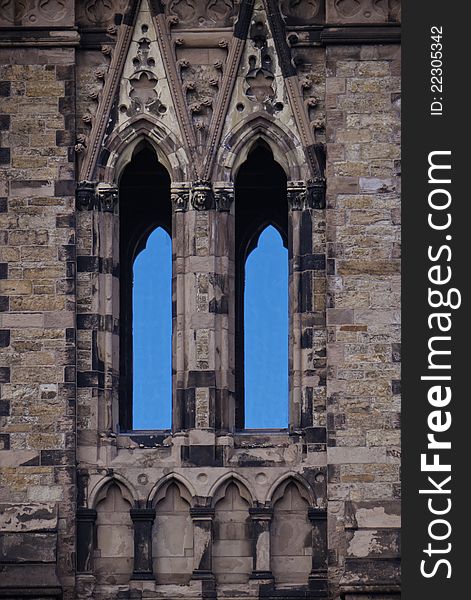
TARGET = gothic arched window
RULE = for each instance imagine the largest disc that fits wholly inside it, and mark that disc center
(152, 333)
(145, 298)
(261, 292)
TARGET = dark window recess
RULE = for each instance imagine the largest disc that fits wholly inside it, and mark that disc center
(144, 206)
(260, 204)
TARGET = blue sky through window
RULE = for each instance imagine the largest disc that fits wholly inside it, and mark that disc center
(152, 334)
(266, 333)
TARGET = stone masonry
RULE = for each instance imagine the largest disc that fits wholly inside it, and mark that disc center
(89, 507)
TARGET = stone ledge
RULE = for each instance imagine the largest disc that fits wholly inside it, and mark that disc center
(379, 34)
(38, 37)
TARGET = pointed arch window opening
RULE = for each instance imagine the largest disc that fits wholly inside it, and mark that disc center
(262, 315)
(152, 333)
(145, 395)
(266, 332)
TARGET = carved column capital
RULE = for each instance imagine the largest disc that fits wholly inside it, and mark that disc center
(90, 195)
(316, 189)
(317, 514)
(261, 513)
(142, 514)
(180, 196)
(85, 195)
(202, 196)
(224, 197)
(107, 195)
(205, 513)
(86, 514)
(297, 195)
(303, 195)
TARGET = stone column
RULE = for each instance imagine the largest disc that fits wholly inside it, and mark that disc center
(203, 542)
(106, 360)
(306, 222)
(202, 292)
(183, 403)
(261, 520)
(98, 303)
(318, 575)
(143, 519)
(86, 518)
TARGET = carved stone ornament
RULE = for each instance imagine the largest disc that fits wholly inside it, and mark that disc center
(202, 197)
(309, 195)
(300, 10)
(99, 13)
(12, 12)
(141, 93)
(107, 194)
(316, 189)
(260, 86)
(224, 198)
(180, 198)
(85, 195)
(201, 13)
(359, 11)
(36, 13)
(297, 195)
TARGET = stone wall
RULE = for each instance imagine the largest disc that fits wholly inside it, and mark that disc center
(363, 314)
(37, 319)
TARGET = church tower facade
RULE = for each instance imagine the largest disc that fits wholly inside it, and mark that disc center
(210, 119)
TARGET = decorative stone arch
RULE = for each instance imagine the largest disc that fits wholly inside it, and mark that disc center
(159, 490)
(219, 487)
(120, 146)
(285, 146)
(100, 489)
(171, 536)
(232, 527)
(113, 500)
(298, 540)
(137, 217)
(278, 488)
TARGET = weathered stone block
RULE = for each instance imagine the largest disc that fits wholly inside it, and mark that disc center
(28, 547)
